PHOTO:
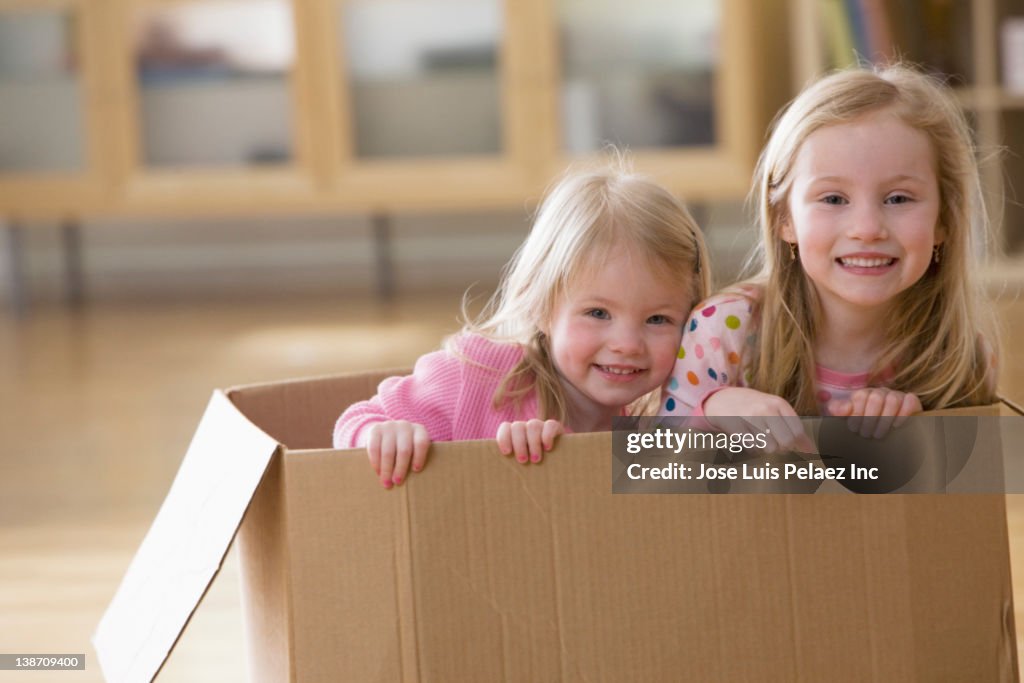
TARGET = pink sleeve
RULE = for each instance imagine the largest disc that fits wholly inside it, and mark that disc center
(711, 356)
(427, 397)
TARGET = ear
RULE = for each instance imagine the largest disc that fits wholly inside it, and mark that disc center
(940, 234)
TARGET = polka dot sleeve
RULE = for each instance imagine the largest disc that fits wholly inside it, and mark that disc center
(711, 356)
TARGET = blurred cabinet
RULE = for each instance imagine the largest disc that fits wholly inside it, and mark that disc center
(238, 106)
(211, 84)
(51, 145)
(963, 41)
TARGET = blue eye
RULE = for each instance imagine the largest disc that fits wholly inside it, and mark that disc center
(598, 313)
(833, 199)
(897, 199)
(659, 320)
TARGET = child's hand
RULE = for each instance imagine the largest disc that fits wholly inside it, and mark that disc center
(737, 410)
(873, 411)
(528, 440)
(391, 448)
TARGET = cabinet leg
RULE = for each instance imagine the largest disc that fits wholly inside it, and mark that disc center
(381, 223)
(17, 288)
(71, 246)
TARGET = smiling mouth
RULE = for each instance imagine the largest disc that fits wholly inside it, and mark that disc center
(857, 262)
(619, 371)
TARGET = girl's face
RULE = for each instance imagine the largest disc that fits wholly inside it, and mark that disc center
(615, 334)
(864, 210)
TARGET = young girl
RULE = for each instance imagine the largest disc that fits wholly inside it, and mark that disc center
(865, 305)
(586, 321)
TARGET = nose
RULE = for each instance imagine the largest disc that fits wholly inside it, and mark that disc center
(627, 339)
(867, 224)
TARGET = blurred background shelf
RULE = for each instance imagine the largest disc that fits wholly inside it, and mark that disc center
(965, 42)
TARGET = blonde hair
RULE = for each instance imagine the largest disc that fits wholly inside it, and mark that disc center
(583, 218)
(938, 327)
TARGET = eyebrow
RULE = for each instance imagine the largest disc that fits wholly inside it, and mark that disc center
(605, 302)
(893, 179)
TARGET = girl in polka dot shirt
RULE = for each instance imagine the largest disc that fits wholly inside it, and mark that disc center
(865, 303)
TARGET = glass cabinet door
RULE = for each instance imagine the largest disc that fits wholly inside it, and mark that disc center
(41, 101)
(213, 83)
(423, 77)
(378, 105)
(637, 74)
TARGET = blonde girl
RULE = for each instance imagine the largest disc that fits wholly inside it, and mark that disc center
(866, 305)
(586, 323)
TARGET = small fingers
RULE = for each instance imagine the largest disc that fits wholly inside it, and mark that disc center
(890, 409)
(519, 443)
(781, 426)
(528, 440)
(403, 454)
(772, 444)
(863, 411)
(373, 449)
(387, 458)
(552, 430)
(874, 407)
(786, 430)
(505, 438)
(876, 411)
(420, 447)
(857, 402)
(534, 439)
(839, 407)
(911, 405)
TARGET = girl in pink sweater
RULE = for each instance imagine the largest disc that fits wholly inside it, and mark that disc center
(585, 323)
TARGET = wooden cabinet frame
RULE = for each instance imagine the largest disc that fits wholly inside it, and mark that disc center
(324, 175)
(27, 196)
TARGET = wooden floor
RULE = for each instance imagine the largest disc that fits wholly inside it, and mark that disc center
(97, 409)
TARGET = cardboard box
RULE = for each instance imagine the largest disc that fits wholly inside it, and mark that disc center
(481, 569)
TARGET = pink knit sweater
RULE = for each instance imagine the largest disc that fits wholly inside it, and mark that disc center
(452, 397)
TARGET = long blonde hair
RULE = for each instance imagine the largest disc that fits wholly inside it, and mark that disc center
(938, 327)
(586, 215)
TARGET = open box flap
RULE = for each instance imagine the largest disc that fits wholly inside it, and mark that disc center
(1010, 407)
(186, 545)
